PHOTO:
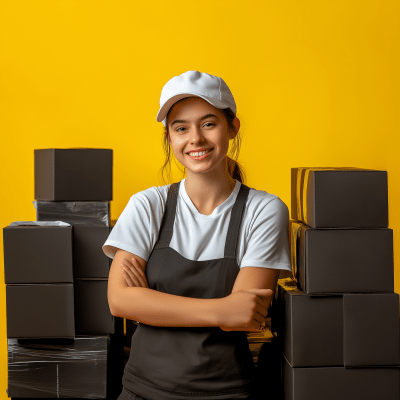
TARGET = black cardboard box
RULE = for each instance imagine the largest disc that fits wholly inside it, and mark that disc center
(339, 383)
(334, 197)
(342, 260)
(37, 254)
(56, 368)
(351, 330)
(73, 174)
(92, 312)
(95, 213)
(40, 311)
(89, 259)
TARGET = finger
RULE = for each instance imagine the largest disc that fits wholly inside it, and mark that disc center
(127, 278)
(128, 273)
(140, 273)
(141, 279)
(265, 300)
(133, 271)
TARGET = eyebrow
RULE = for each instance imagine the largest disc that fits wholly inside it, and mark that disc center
(201, 119)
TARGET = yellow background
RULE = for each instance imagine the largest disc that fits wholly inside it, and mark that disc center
(316, 84)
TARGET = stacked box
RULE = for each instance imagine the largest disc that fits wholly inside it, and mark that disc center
(337, 317)
(63, 340)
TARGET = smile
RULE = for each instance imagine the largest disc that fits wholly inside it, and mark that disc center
(200, 155)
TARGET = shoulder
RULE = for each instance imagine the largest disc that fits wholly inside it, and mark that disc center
(261, 201)
(151, 198)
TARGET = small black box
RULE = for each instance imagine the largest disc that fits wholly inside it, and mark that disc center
(342, 260)
(334, 383)
(37, 254)
(335, 197)
(89, 259)
(92, 312)
(73, 174)
(40, 311)
(351, 330)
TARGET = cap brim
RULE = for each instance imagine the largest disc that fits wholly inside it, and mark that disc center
(162, 113)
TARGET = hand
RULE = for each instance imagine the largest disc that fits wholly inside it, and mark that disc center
(244, 310)
(133, 273)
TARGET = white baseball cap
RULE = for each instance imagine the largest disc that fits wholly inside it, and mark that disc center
(194, 83)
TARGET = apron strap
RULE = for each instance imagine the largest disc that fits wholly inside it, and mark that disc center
(235, 222)
(167, 223)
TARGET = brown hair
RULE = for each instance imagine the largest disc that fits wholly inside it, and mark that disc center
(234, 167)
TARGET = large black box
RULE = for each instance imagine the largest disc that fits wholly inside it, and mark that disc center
(73, 174)
(89, 260)
(40, 311)
(339, 383)
(342, 260)
(74, 212)
(92, 312)
(335, 197)
(58, 368)
(351, 330)
(37, 254)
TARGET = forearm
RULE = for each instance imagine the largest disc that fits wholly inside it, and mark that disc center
(156, 308)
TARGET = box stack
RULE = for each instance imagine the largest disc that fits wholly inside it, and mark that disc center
(337, 318)
(62, 339)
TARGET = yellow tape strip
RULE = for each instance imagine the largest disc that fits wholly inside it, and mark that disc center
(302, 187)
(294, 235)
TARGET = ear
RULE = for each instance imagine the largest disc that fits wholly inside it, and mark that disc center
(236, 124)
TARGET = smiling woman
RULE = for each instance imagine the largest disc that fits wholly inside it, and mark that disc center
(203, 256)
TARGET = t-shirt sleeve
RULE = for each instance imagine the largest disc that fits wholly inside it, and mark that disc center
(268, 242)
(136, 228)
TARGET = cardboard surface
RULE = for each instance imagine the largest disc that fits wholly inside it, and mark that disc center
(335, 197)
(334, 383)
(40, 311)
(73, 174)
(89, 259)
(342, 260)
(92, 312)
(352, 330)
(38, 254)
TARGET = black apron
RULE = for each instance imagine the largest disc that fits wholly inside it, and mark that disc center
(168, 363)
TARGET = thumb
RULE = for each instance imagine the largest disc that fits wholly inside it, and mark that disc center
(261, 292)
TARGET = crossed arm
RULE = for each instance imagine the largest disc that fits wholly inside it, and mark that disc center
(140, 303)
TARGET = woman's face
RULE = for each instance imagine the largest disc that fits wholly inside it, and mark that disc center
(195, 125)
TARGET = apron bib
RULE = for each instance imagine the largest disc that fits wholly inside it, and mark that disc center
(169, 363)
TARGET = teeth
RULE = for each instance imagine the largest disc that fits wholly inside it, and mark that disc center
(201, 153)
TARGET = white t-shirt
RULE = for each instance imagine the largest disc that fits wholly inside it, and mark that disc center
(263, 235)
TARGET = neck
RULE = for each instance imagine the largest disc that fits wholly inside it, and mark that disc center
(208, 191)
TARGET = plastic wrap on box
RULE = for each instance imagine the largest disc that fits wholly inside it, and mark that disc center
(45, 368)
(74, 212)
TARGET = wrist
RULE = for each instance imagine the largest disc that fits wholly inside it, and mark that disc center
(217, 311)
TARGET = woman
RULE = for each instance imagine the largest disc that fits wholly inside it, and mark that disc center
(200, 257)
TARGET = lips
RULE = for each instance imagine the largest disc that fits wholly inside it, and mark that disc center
(199, 151)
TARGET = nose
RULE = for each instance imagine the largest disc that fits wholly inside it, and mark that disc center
(196, 135)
